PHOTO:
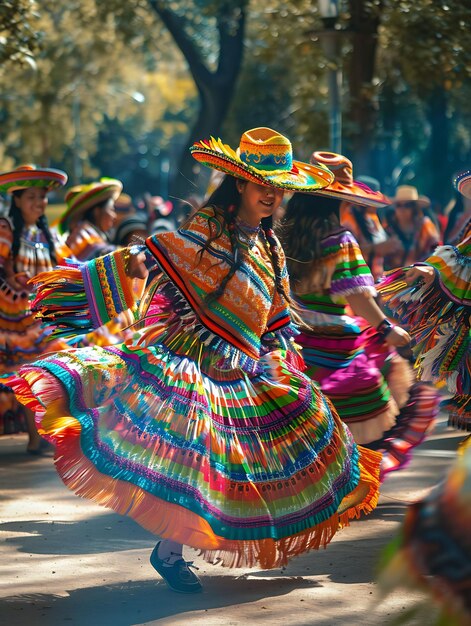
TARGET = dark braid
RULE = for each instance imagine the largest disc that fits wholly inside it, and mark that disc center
(273, 249)
(229, 217)
(44, 226)
(18, 225)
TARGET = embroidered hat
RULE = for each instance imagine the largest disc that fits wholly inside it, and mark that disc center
(26, 176)
(83, 197)
(462, 183)
(264, 157)
(343, 186)
(408, 193)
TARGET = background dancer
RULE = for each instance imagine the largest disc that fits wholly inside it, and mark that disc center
(28, 246)
(346, 338)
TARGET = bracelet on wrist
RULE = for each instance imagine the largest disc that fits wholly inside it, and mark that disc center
(384, 327)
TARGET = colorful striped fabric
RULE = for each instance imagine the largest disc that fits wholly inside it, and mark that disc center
(230, 317)
(454, 271)
(350, 273)
(202, 428)
(366, 381)
(87, 242)
(21, 336)
(437, 317)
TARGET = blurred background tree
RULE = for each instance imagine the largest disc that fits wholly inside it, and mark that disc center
(122, 89)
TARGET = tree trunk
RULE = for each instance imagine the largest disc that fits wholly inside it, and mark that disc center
(439, 187)
(215, 89)
(362, 109)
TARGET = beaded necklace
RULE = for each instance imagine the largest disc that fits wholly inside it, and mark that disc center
(247, 233)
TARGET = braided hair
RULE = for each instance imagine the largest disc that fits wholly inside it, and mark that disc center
(226, 202)
(273, 247)
(18, 225)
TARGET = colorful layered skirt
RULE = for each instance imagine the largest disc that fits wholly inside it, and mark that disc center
(242, 459)
(372, 388)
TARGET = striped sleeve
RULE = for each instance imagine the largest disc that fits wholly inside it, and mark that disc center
(351, 274)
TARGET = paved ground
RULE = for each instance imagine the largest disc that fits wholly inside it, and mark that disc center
(64, 560)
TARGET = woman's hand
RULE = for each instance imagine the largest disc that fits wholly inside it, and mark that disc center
(398, 337)
(423, 272)
(136, 266)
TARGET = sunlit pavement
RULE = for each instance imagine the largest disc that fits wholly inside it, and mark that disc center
(64, 560)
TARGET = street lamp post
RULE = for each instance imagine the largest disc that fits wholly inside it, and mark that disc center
(330, 39)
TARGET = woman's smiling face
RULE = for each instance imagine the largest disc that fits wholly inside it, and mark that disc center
(257, 201)
(32, 203)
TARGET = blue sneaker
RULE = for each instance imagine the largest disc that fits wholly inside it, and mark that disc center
(178, 575)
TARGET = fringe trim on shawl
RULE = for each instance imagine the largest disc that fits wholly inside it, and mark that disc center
(81, 297)
(61, 302)
(175, 522)
(440, 331)
(459, 407)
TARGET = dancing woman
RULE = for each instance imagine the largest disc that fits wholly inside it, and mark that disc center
(202, 426)
(346, 338)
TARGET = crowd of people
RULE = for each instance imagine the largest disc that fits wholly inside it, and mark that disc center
(243, 381)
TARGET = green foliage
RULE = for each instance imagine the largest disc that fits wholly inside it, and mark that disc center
(19, 40)
(95, 54)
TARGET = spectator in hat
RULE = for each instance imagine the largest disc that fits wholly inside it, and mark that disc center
(417, 234)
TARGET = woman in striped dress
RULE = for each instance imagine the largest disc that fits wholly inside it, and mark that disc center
(347, 340)
(202, 427)
(27, 247)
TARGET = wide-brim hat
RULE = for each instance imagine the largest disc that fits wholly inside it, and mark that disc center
(264, 157)
(343, 187)
(123, 203)
(26, 176)
(409, 193)
(462, 183)
(83, 197)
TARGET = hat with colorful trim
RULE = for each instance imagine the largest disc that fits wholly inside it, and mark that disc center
(343, 186)
(83, 197)
(264, 157)
(26, 176)
(462, 183)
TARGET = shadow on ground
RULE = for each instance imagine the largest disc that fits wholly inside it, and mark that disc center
(103, 533)
(137, 603)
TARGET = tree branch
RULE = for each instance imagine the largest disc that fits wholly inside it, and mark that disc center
(175, 26)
